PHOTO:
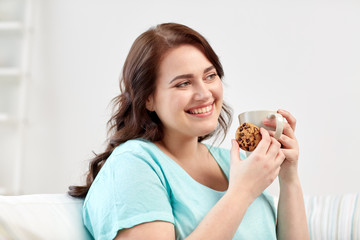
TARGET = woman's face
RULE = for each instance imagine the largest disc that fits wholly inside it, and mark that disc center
(188, 95)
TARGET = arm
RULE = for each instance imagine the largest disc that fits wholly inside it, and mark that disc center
(248, 179)
(292, 222)
(209, 228)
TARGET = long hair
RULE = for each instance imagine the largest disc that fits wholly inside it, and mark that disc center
(131, 119)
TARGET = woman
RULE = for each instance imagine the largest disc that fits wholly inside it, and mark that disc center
(156, 180)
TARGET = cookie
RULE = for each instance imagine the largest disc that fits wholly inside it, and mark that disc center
(248, 136)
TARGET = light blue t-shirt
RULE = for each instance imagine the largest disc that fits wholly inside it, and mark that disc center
(139, 183)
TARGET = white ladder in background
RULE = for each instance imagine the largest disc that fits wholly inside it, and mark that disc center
(16, 25)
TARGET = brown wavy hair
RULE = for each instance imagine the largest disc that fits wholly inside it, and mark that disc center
(131, 119)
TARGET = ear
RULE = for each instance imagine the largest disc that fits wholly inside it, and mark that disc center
(150, 103)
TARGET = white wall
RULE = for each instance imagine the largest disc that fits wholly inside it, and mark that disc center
(303, 56)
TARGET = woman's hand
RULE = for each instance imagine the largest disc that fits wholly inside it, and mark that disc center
(290, 146)
(291, 222)
(254, 174)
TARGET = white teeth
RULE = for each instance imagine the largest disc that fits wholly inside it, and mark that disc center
(202, 110)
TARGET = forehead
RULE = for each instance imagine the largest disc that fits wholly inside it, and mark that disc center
(184, 59)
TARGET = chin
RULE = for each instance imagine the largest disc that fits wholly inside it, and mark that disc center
(207, 130)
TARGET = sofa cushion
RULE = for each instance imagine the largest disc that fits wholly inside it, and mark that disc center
(333, 216)
(59, 216)
(41, 216)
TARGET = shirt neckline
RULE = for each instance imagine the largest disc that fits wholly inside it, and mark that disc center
(186, 173)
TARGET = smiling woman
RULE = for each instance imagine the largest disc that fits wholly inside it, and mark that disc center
(157, 180)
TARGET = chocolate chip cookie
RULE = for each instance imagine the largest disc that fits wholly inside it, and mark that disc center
(248, 136)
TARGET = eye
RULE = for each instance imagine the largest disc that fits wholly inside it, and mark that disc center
(211, 76)
(182, 84)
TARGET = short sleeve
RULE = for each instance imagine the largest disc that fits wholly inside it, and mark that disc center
(129, 190)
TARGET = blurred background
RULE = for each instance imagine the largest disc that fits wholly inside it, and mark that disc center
(60, 61)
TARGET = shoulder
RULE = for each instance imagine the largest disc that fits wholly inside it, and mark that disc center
(131, 162)
(134, 158)
(135, 146)
(130, 189)
(134, 151)
(219, 152)
(133, 155)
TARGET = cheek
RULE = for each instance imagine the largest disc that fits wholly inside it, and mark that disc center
(178, 99)
(177, 104)
(168, 105)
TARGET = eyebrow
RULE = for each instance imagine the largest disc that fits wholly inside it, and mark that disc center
(190, 75)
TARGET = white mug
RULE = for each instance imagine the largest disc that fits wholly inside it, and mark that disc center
(257, 117)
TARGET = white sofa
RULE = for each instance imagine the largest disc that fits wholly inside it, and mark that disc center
(58, 216)
(41, 216)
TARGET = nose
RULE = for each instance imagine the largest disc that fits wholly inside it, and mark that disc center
(202, 91)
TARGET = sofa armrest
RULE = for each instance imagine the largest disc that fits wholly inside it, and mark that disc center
(41, 216)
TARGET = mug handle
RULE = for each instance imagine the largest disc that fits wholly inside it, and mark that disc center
(279, 124)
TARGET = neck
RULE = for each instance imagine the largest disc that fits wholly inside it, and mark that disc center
(181, 148)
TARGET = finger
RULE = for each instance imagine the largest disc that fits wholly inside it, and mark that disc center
(285, 141)
(280, 157)
(234, 152)
(289, 131)
(289, 118)
(270, 122)
(274, 148)
(264, 144)
(291, 154)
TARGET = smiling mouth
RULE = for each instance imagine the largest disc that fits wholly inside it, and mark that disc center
(202, 110)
